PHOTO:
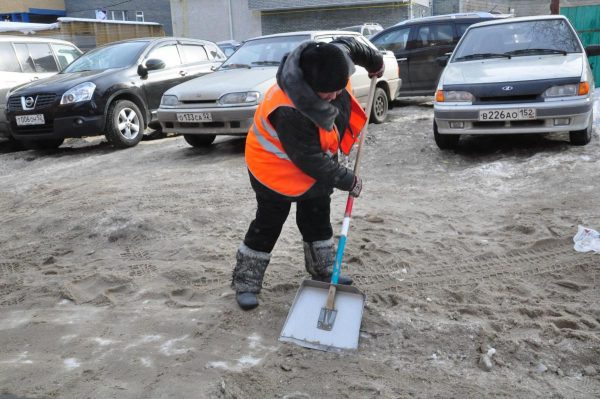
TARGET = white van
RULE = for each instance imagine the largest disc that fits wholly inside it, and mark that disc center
(24, 59)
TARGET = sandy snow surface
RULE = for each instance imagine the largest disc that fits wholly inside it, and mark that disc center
(115, 270)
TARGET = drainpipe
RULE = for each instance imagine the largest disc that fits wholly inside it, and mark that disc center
(230, 22)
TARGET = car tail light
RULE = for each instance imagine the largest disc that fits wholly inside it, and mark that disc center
(584, 88)
(439, 96)
(398, 70)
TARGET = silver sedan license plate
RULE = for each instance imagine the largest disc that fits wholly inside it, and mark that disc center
(194, 117)
(518, 114)
(36, 119)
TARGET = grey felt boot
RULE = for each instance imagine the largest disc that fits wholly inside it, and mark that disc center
(319, 257)
(248, 275)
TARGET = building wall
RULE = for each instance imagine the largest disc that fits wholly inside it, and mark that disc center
(14, 6)
(210, 20)
(441, 7)
(154, 10)
(269, 5)
(337, 16)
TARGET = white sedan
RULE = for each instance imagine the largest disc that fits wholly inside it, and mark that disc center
(224, 102)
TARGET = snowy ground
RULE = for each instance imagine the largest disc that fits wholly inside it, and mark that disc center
(116, 264)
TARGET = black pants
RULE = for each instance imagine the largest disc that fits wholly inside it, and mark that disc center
(312, 218)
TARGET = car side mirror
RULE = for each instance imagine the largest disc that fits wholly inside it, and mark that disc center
(154, 64)
(592, 50)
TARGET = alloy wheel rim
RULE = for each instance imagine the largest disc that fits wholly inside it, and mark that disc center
(379, 107)
(128, 123)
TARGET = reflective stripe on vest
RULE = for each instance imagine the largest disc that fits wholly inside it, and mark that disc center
(268, 161)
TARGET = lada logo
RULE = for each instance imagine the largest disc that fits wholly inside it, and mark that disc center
(28, 102)
(507, 88)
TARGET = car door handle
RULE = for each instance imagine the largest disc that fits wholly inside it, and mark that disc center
(401, 59)
(183, 73)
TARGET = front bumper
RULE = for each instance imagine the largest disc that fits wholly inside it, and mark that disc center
(75, 120)
(225, 120)
(551, 116)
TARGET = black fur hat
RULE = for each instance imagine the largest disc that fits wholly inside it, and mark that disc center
(325, 67)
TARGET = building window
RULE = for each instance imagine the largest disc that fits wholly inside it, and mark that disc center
(139, 16)
(118, 15)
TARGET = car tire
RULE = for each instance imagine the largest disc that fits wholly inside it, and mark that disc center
(582, 137)
(445, 141)
(124, 124)
(42, 144)
(199, 140)
(380, 106)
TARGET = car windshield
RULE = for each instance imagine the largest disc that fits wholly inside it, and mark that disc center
(515, 39)
(118, 55)
(263, 52)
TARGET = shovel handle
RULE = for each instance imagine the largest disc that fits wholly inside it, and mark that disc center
(330, 297)
(350, 201)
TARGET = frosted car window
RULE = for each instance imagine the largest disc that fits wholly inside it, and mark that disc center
(8, 58)
(167, 54)
(263, 52)
(193, 53)
(394, 40)
(42, 57)
(550, 34)
(24, 59)
(65, 54)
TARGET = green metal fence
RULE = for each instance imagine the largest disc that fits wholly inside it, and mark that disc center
(586, 21)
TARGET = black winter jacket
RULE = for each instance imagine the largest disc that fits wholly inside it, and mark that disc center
(297, 127)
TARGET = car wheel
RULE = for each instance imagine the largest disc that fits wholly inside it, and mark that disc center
(445, 141)
(582, 137)
(124, 124)
(199, 140)
(380, 106)
(43, 144)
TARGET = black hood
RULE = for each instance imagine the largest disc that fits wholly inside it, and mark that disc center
(291, 80)
(61, 82)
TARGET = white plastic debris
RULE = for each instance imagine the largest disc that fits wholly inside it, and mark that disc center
(586, 240)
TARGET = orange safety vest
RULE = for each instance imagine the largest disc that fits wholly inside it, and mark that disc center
(266, 158)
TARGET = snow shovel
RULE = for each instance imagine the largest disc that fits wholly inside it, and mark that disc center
(327, 316)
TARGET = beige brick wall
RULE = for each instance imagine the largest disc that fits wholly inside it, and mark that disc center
(7, 6)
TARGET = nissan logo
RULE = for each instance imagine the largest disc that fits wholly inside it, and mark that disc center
(28, 102)
(507, 88)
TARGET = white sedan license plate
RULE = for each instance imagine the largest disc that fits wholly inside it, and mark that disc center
(36, 119)
(518, 114)
(194, 117)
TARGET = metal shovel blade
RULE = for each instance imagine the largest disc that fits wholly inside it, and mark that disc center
(301, 325)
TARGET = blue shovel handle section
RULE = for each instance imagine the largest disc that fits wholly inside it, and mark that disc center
(337, 266)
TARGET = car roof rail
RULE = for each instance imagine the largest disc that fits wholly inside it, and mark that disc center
(474, 14)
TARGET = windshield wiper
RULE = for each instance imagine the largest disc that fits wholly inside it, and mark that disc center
(537, 51)
(234, 66)
(266, 62)
(483, 55)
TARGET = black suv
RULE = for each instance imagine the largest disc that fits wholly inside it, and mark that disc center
(417, 43)
(112, 90)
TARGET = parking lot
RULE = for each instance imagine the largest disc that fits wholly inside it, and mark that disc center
(115, 271)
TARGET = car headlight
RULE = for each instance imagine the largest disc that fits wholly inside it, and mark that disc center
(242, 98)
(453, 96)
(79, 93)
(567, 90)
(169, 100)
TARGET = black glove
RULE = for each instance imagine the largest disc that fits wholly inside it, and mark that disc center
(378, 73)
(356, 187)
